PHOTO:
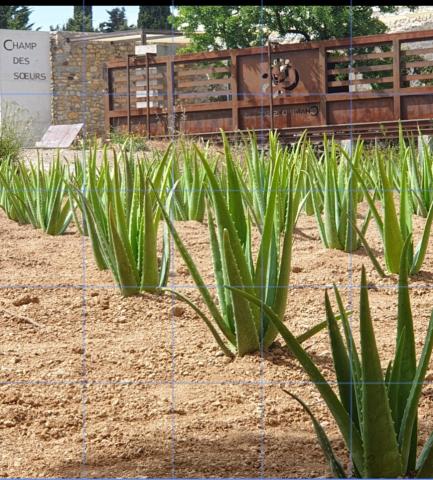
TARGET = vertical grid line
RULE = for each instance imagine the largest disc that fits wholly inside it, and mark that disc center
(262, 404)
(83, 250)
(350, 258)
(172, 123)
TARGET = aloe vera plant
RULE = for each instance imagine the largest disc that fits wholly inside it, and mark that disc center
(337, 196)
(395, 229)
(123, 217)
(190, 189)
(255, 178)
(37, 195)
(376, 412)
(238, 327)
(420, 164)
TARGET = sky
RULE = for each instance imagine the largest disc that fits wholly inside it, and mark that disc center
(52, 15)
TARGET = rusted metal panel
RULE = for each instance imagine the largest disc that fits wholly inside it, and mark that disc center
(370, 79)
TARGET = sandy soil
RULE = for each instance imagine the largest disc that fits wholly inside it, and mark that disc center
(110, 387)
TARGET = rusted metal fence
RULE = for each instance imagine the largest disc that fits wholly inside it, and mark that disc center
(346, 85)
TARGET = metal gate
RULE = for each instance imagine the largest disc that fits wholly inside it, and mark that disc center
(364, 85)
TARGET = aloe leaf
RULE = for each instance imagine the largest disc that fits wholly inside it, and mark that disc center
(335, 465)
(410, 412)
(318, 214)
(234, 193)
(370, 201)
(424, 466)
(382, 457)
(355, 364)
(404, 365)
(370, 253)
(247, 336)
(224, 220)
(392, 236)
(224, 303)
(421, 248)
(125, 273)
(341, 359)
(330, 199)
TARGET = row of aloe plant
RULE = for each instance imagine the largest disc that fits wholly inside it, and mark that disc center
(36, 195)
(122, 202)
(333, 185)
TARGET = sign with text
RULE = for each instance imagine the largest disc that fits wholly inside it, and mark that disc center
(25, 78)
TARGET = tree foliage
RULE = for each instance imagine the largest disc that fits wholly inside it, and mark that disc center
(117, 21)
(245, 26)
(81, 21)
(15, 17)
(153, 16)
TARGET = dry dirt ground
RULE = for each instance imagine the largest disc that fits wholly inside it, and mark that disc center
(105, 386)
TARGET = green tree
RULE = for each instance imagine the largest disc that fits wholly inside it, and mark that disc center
(154, 16)
(245, 26)
(117, 21)
(15, 17)
(81, 21)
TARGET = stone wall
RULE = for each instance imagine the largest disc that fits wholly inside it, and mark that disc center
(78, 83)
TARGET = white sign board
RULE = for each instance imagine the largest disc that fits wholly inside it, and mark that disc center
(60, 136)
(25, 78)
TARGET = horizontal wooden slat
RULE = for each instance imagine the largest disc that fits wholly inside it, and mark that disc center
(364, 81)
(200, 71)
(417, 64)
(154, 86)
(424, 76)
(203, 94)
(366, 56)
(370, 68)
(140, 83)
(196, 83)
(142, 95)
(416, 51)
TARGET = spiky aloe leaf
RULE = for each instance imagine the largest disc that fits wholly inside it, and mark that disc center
(335, 465)
(280, 302)
(125, 271)
(424, 465)
(234, 193)
(341, 358)
(421, 248)
(355, 364)
(410, 412)
(330, 199)
(149, 274)
(392, 236)
(247, 336)
(370, 252)
(382, 457)
(223, 296)
(224, 220)
(404, 364)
